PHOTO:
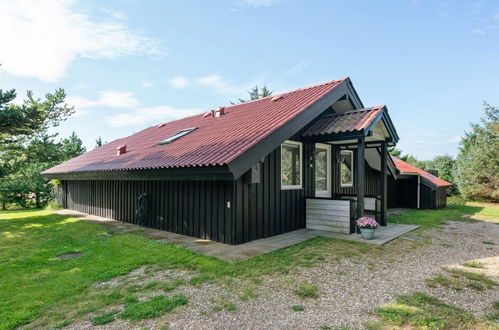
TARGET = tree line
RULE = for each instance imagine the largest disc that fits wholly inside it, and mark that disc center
(475, 170)
(27, 148)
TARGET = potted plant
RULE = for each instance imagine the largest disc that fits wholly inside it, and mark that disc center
(367, 227)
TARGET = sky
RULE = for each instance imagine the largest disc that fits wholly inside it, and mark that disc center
(129, 64)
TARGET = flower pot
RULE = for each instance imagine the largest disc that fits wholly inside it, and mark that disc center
(367, 233)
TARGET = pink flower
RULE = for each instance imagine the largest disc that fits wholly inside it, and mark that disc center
(366, 222)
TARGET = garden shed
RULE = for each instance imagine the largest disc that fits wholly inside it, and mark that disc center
(416, 188)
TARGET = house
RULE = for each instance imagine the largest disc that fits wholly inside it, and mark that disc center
(314, 157)
(416, 188)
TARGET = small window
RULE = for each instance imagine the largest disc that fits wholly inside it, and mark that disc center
(291, 160)
(322, 171)
(176, 136)
(346, 169)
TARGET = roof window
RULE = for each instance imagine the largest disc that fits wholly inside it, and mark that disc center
(176, 136)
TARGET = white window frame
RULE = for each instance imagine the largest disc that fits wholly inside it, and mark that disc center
(350, 152)
(325, 193)
(300, 145)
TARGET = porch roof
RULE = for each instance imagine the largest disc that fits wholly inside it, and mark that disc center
(354, 122)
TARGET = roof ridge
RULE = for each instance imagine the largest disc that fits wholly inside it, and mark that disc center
(288, 92)
(252, 101)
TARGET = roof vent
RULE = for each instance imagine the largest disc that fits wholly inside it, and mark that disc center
(220, 111)
(121, 150)
(277, 98)
(161, 125)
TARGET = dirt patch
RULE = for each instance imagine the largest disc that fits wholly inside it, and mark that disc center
(70, 255)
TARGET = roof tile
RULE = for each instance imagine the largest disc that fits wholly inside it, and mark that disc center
(405, 167)
(216, 141)
(349, 121)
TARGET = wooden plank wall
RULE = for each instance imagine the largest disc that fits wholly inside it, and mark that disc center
(372, 186)
(328, 214)
(194, 208)
(264, 209)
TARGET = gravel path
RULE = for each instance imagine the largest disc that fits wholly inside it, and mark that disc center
(349, 290)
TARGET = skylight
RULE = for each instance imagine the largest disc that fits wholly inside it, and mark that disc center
(176, 136)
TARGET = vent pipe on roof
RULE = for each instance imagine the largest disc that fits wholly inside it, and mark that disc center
(276, 98)
(220, 111)
(121, 150)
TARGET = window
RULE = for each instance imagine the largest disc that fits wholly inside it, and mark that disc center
(322, 168)
(176, 136)
(346, 168)
(291, 159)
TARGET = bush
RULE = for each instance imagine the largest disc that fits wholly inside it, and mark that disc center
(53, 205)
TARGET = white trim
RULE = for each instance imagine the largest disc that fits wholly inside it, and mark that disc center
(351, 171)
(300, 146)
(327, 192)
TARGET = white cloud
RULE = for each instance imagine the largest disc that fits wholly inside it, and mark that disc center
(220, 85)
(259, 3)
(146, 84)
(143, 116)
(107, 98)
(43, 37)
(179, 82)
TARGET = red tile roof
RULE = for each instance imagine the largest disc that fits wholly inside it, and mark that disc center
(349, 121)
(405, 167)
(216, 141)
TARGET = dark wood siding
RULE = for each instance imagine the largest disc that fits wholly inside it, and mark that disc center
(264, 209)
(427, 197)
(432, 198)
(372, 186)
(194, 208)
(407, 190)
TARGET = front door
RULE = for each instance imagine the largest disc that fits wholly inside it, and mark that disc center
(322, 169)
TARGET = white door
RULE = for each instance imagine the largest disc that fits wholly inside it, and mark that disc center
(322, 167)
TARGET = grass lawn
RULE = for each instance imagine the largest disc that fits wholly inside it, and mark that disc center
(37, 285)
(455, 211)
(421, 311)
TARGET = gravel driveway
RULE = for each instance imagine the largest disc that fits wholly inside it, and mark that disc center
(349, 289)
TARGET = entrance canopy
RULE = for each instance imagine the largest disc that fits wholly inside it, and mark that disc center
(374, 124)
(359, 130)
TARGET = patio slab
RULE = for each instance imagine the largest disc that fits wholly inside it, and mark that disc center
(233, 253)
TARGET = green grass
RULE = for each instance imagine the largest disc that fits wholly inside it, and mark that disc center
(34, 280)
(297, 308)
(494, 316)
(224, 305)
(454, 211)
(307, 290)
(105, 318)
(473, 264)
(444, 281)
(473, 277)
(419, 310)
(460, 279)
(38, 286)
(154, 307)
(488, 243)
